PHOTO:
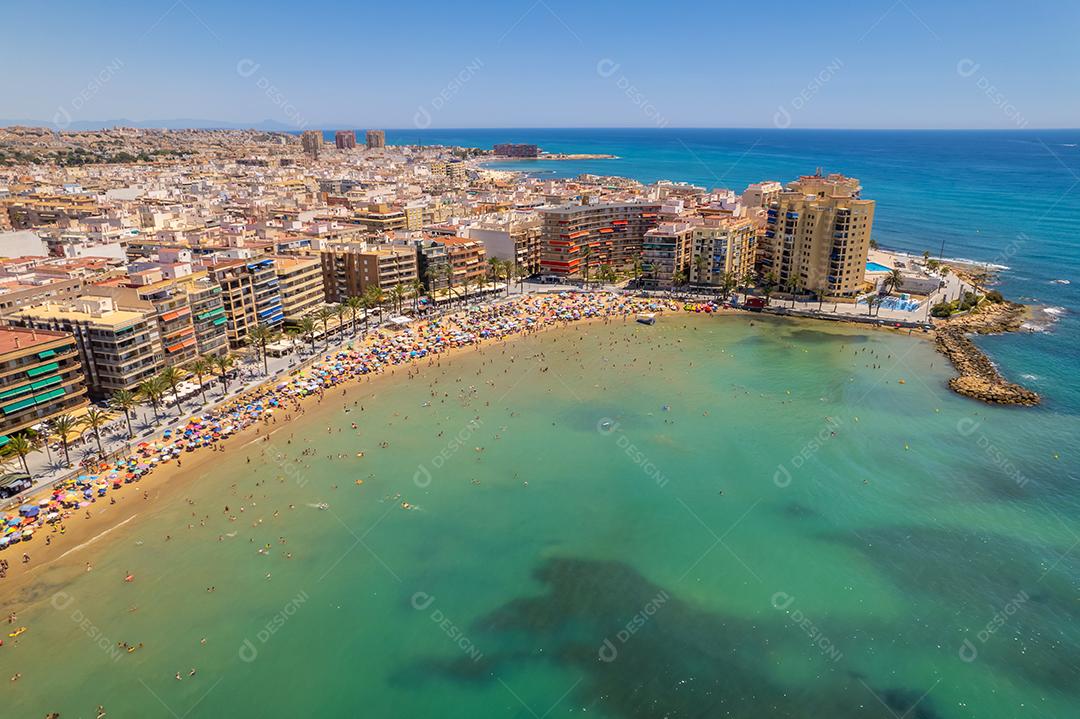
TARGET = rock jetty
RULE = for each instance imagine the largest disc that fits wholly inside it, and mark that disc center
(978, 377)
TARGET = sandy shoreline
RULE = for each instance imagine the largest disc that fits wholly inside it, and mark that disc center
(65, 556)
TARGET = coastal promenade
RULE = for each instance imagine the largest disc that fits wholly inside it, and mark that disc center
(48, 468)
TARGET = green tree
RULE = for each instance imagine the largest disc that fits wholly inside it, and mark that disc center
(375, 299)
(700, 266)
(678, 280)
(748, 282)
(397, 295)
(20, 446)
(339, 312)
(95, 419)
(172, 377)
(307, 330)
(447, 272)
(893, 281)
(324, 314)
(416, 289)
(222, 363)
(771, 282)
(259, 337)
(354, 303)
(200, 367)
(64, 425)
(151, 390)
(125, 401)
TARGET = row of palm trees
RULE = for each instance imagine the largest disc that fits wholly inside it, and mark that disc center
(154, 391)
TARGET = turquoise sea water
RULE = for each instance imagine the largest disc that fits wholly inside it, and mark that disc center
(713, 516)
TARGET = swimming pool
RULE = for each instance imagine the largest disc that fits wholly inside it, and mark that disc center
(877, 267)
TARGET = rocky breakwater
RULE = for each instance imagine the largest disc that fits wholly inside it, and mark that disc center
(979, 378)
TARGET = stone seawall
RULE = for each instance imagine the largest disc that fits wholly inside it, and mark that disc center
(978, 377)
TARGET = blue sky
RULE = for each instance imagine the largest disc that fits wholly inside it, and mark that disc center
(540, 63)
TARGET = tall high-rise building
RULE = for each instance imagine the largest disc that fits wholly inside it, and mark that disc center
(663, 253)
(574, 236)
(345, 139)
(375, 138)
(349, 268)
(312, 141)
(818, 232)
(250, 296)
(720, 247)
(300, 281)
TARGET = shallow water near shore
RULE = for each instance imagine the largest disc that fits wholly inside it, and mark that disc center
(713, 516)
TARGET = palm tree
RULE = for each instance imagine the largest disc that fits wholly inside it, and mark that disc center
(376, 299)
(727, 284)
(43, 434)
(63, 425)
(494, 268)
(678, 280)
(509, 272)
(397, 294)
(586, 252)
(893, 281)
(465, 282)
(748, 280)
(172, 377)
(200, 367)
(416, 289)
(796, 288)
(258, 337)
(770, 285)
(354, 303)
(340, 311)
(871, 300)
(222, 363)
(636, 269)
(291, 334)
(20, 446)
(126, 401)
(95, 419)
(700, 265)
(447, 272)
(368, 300)
(307, 330)
(521, 273)
(323, 315)
(151, 391)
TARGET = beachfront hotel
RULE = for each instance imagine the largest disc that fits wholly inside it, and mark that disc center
(249, 296)
(349, 268)
(817, 237)
(118, 348)
(663, 253)
(719, 247)
(300, 282)
(41, 376)
(574, 236)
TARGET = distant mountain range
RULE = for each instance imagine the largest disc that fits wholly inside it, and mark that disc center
(176, 124)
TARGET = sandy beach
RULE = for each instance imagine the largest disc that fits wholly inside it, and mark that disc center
(70, 553)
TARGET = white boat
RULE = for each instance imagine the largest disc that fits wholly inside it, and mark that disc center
(647, 318)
